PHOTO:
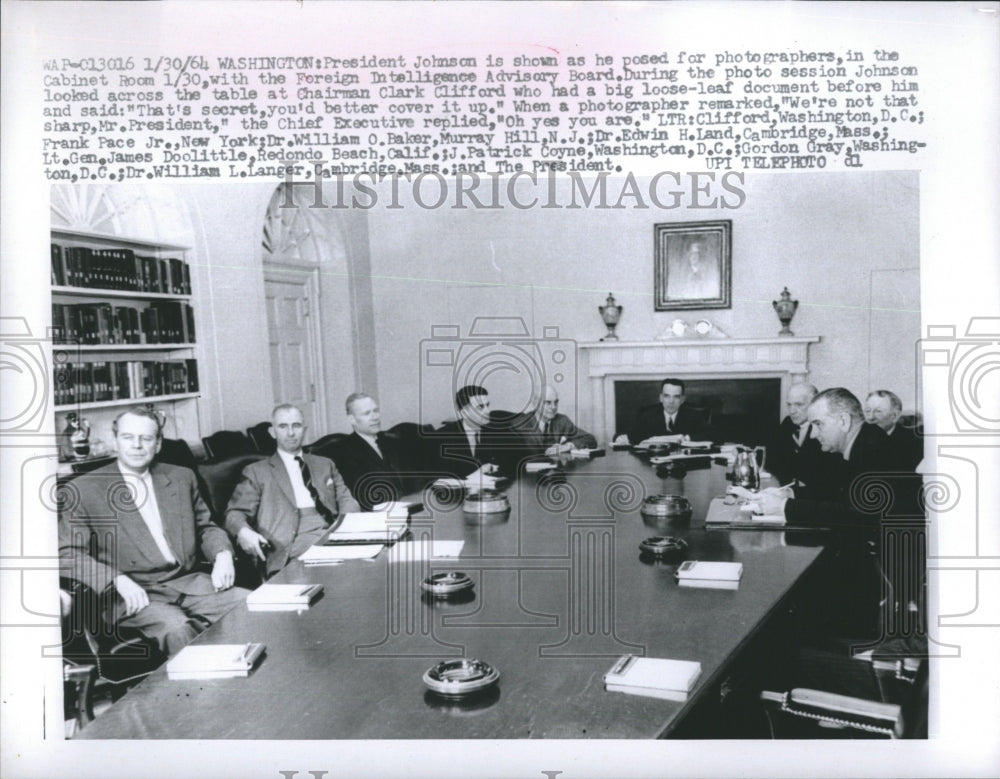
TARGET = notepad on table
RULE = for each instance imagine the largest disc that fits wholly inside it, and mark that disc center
(367, 527)
(424, 549)
(539, 466)
(283, 597)
(653, 677)
(732, 516)
(214, 661)
(711, 575)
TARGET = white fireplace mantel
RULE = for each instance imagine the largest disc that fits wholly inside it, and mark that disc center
(604, 363)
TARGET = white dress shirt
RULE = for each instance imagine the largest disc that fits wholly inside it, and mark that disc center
(144, 497)
(303, 500)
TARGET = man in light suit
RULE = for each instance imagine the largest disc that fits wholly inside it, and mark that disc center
(135, 528)
(548, 431)
(285, 503)
(369, 460)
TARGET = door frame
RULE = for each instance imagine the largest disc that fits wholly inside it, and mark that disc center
(279, 272)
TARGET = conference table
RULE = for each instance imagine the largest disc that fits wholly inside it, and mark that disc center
(561, 591)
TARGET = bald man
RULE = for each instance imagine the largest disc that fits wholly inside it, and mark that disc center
(793, 455)
(883, 408)
(547, 431)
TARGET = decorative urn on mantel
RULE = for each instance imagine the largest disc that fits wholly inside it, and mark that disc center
(611, 313)
(785, 309)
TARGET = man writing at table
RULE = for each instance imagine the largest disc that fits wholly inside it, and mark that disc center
(548, 431)
(837, 421)
(865, 473)
(137, 526)
(284, 504)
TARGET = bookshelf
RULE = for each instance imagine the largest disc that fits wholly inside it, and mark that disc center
(123, 333)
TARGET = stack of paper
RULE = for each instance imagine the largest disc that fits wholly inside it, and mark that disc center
(283, 597)
(653, 677)
(214, 661)
(321, 554)
(659, 440)
(398, 509)
(586, 453)
(713, 575)
(368, 527)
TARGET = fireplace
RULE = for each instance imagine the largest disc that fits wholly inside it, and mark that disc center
(744, 410)
(717, 371)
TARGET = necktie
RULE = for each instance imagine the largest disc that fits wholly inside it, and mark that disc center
(313, 492)
(670, 424)
(475, 449)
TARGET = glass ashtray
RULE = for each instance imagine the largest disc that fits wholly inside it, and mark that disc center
(447, 584)
(459, 678)
(664, 547)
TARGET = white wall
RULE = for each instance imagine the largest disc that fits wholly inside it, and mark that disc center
(823, 236)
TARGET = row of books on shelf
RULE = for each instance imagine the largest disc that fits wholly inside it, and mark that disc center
(163, 322)
(103, 380)
(82, 266)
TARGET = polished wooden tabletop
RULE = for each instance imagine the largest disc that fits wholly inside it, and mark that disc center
(561, 591)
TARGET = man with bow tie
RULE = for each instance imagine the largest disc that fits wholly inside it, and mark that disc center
(132, 530)
(369, 460)
(285, 503)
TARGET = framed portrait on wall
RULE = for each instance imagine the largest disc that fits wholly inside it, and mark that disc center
(693, 265)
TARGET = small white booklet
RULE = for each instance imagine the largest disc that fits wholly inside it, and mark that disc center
(214, 661)
(539, 466)
(653, 677)
(713, 575)
(283, 597)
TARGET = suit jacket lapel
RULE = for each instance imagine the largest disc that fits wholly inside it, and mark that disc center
(130, 522)
(281, 478)
(166, 499)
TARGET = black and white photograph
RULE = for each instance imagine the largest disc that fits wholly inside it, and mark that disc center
(353, 425)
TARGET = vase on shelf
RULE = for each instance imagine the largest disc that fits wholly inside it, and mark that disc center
(611, 313)
(785, 309)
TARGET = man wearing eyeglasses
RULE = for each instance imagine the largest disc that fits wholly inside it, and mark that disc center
(132, 531)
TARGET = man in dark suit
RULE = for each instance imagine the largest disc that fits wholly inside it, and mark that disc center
(136, 527)
(368, 460)
(549, 432)
(472, 444)
(793, 454)
(837, 422)
(883, 408)
(285, 503)
(668, 418)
